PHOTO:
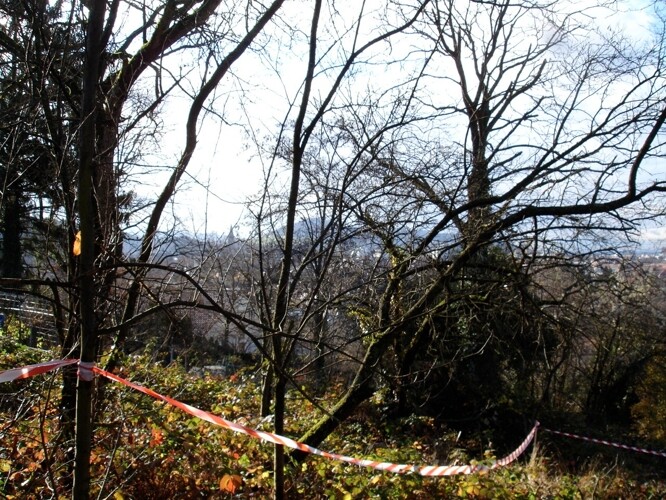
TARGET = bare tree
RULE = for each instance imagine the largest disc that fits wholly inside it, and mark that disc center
(533, 138)
(290, 302)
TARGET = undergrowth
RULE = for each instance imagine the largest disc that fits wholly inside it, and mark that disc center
(145, 449)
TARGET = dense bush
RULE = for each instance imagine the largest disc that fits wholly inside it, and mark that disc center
(650, 411)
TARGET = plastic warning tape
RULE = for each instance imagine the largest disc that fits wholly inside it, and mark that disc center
(32, 370)
(433, 470)
(87, 369)
(607, 443)
(518, 451)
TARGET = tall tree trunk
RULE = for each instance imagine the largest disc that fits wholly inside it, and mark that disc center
(278, 456)
(86, 278)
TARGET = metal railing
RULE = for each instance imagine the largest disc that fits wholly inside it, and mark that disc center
(33, 315)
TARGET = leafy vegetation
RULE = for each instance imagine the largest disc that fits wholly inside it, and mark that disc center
(650, 411)
(145, 449)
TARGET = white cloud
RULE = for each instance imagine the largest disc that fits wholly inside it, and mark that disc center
(654, 234)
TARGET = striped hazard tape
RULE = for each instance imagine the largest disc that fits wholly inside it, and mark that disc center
(607, 443)
(431, 470)
(86, 369)
(32, 370)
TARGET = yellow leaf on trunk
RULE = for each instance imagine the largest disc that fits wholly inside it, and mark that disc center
(77, 244)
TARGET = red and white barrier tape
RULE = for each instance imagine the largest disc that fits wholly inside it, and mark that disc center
(86, 371)
(431, 470)
(518, 451)
(606, 443)
(32, 370)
